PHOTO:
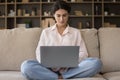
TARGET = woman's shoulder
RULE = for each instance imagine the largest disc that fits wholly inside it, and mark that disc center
(74, 29)
(47, 29)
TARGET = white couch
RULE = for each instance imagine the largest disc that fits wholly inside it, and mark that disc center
(19, 44)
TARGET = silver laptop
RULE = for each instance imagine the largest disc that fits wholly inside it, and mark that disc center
(59, 56)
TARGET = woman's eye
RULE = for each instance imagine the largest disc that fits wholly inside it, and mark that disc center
(64, 15)
(58, 15)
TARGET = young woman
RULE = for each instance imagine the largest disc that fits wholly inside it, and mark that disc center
(61, 34)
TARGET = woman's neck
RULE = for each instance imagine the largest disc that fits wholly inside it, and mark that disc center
(61, 29)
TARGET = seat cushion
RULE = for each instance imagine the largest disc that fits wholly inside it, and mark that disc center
(11, 75)
(96, 77)
(88, 79)
(16, 75)
(110, 48)
(112, 76)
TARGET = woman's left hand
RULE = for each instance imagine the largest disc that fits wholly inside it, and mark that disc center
(62, 69)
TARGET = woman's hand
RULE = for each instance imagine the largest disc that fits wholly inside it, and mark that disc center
(59, 69)
(62, 69)
(55, 69)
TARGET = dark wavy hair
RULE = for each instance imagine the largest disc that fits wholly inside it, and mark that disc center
(60, 4)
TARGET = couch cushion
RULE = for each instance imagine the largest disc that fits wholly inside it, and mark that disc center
(88, 79)
(110, 48)
(16, 75)
(112, 76)
(91, 40)
(11, 75)
(17, 45)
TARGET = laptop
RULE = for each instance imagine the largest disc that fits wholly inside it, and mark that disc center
(59, 56)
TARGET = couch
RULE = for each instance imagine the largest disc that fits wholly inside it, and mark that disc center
(19, 44)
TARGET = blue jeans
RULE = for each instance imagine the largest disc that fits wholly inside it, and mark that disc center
(33, 70)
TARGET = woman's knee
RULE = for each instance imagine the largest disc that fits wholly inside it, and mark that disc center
(27, 65)
(97, 64)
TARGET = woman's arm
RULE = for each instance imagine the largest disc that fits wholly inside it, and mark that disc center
(83, 50)
(40, 43)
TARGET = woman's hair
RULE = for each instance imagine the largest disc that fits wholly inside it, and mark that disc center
(60, 4)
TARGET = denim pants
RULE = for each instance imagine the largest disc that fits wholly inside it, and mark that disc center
(33, 70)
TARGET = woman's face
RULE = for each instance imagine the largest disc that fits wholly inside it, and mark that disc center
(61, 17)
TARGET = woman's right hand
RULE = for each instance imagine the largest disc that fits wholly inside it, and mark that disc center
(59, 69)
(55, 69)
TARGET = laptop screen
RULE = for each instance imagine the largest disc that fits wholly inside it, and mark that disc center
(59, 56)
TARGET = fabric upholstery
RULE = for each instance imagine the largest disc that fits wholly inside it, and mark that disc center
(91, 40)
(88, 79)
(17, 45)
(11, 75)
(112, 76)
(16, 75)
(109, 39)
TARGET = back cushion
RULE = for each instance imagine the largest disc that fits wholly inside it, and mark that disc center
(16, 46)
(110, 48)
(90, 37)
